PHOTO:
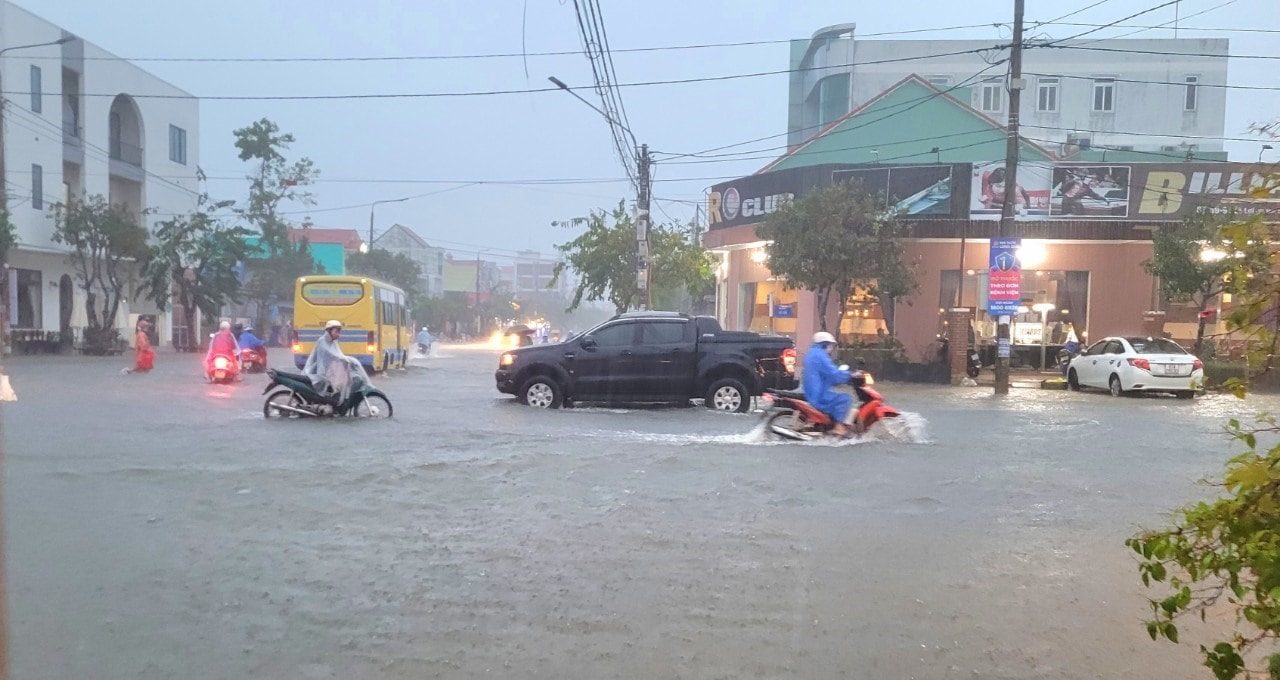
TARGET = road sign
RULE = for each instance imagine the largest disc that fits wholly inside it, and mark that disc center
(1004, 283)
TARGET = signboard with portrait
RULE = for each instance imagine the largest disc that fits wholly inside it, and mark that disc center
(1090, 191)
(987, 191)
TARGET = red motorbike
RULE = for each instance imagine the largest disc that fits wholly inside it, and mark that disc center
(791, 417)
(254, 359)
(222, 369)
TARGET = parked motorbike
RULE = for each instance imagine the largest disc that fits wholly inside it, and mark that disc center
(974, 364)
(298, 398)
(790, 416)
(254, 359)
(222, 369)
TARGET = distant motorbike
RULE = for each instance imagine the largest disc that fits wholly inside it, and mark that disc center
(254, 359)
(424, 350)
(974, 364)
(222, 369)
(298, 398)
(790, 416)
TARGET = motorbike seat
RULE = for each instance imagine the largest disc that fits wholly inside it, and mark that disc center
(788, 394)
(298, 377)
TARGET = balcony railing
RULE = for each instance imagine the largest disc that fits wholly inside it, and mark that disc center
(126, 152)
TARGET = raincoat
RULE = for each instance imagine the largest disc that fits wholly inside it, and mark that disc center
(332, 372)
(424, 338)
(820, 376)
(223, 342)
(250, 341)
(143, 355)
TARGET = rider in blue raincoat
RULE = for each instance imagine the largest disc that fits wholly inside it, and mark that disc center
(248, 340)
(821, 375)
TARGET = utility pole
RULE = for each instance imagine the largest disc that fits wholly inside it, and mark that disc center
(1003, 343)
(643, 189)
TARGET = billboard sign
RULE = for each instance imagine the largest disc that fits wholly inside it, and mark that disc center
(912, 190)
(1004, 282)
(1171, 191)
(1090, 191)
(987, 191)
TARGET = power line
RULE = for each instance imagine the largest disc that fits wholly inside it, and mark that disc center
(1206, 29)
(486, 93)
(1113, 23)
(1038, 24)
(1163, 54)
(1175, 21)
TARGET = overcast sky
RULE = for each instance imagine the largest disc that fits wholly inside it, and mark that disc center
(544, 135)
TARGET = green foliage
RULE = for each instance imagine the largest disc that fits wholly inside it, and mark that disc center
(445, 312)
(273, 181)
(605, 260)
(8, 236)
(397, 269)
(196, 254)
(836, 238)
(1225, 553)
(1195, 260)
(102, 238)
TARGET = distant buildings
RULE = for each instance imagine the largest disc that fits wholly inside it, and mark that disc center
(403, 240)
(329, 247)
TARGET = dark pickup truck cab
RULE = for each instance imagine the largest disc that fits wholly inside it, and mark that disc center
(650, 357)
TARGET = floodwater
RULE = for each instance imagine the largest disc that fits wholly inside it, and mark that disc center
(158, 527)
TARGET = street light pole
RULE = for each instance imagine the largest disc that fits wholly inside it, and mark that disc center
(371, 208)
(477, 302)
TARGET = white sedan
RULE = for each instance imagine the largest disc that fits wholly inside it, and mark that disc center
(1135, 364)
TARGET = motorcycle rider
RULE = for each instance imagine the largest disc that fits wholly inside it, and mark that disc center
(821, 375)
(424, 340)
(332, 372)
(250, 341)
(224, 343)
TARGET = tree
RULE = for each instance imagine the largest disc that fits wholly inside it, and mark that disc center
(835, 238)
(605, 260)
(274, 181)
(102, 238)
(397, 269)
(1193, 262)
(198, 255)
(8, 238)
(1225, 553)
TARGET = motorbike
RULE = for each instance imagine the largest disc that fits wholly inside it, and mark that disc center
(296, 397)
(254, 359)
(790, 416)
(222, 369)
(974, 364)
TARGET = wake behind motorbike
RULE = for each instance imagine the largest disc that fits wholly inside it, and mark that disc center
(295, 397)
(790, 416)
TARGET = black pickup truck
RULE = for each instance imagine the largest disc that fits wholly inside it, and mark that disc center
(650, 357)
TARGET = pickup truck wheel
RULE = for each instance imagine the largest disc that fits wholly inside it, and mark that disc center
(541, 391)
(728, 394)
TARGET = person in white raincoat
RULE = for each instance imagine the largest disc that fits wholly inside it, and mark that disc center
(331, 371)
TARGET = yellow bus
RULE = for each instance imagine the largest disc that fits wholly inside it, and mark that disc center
(376, 328)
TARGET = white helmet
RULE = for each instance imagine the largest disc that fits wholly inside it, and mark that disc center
(333, 323)
(822, 336)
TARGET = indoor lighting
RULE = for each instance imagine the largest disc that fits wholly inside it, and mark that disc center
(1031, 254)
(759, 256)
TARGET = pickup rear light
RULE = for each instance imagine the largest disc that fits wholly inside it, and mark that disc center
(1140, 363)
(297, 344)
(1197, 365)
(789, 360)
(373, 342)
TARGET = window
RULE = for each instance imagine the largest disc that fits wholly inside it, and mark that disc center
(940, 82)
(833, 98)
(619, 335)
(37, 98)
(664, 332)
(992, 96)
(1189, 101)
(1104, 95)
(30, 303)
(177, 145)
(1155, 346)
(1047, 95)
(37, 187)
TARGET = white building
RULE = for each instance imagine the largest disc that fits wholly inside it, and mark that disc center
(79, 121)
(1143, 95)
(430, 259)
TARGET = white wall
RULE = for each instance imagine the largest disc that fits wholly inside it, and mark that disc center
(37, 137)
(1140, 107)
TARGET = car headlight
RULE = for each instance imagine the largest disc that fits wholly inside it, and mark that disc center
(506, 360)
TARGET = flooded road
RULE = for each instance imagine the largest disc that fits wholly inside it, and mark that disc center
(158, 527)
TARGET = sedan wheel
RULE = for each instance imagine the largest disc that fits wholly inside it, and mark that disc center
(1073, 380)
(1116, 389)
